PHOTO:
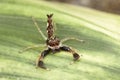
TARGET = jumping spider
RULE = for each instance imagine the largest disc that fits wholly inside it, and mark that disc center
(52, 42)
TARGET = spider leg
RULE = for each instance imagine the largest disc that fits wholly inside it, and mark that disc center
(30, 47)
(68, 49)
(55, 27)
(71, 38)
(40, 62)
(39, 30)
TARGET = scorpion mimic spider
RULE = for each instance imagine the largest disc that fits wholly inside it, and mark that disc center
(52, 42)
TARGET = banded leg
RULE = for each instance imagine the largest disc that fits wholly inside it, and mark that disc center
(30, 47)
(75, 55)
(71, 38)
(40, 62)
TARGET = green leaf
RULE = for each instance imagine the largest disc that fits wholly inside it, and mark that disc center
(100, 30)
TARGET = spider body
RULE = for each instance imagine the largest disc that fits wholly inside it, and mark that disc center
(53, 43)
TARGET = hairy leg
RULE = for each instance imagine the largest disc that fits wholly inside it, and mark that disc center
(40, 62)
(68, 49)
(30, 47)
(71, 38)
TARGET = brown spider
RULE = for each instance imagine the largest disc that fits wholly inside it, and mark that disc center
(52, 42)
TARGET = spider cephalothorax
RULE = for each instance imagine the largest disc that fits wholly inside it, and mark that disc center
(52, 42)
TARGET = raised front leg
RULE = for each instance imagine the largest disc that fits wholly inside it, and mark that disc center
(75, 55)
(40, 62)
(38, 28)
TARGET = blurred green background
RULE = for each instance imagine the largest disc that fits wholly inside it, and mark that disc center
(100, 30)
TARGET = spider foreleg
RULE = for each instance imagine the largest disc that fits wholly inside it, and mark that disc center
(68, 49)
(39, 30)
(71, 38)
(30, 47)
(40, 62)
